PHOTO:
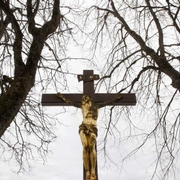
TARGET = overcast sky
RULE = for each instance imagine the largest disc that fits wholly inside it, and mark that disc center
(65, 161)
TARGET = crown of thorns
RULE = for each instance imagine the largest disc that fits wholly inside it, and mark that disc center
(86, 97)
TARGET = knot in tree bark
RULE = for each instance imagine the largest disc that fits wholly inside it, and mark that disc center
(176, 83)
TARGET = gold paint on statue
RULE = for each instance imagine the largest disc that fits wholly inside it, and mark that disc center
(88, 130)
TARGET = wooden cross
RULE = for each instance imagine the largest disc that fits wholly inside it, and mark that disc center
(88, 78)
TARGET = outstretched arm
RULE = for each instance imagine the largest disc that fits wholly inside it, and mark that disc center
(68, 101)
(118, 97)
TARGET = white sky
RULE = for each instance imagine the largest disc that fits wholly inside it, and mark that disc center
(65, 161)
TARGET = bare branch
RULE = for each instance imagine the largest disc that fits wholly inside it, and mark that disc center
(161, 39)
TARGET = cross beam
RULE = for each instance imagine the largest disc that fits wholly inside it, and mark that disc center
(88, 79)
(53, 100)
(88, 88)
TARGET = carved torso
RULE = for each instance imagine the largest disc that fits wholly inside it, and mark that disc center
(90, 113)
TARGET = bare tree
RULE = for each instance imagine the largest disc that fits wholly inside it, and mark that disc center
(141, 42)
(135, 45)
(26, 28)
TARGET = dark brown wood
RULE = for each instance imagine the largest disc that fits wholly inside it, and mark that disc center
(88, 78)
(88, 86)
(53, 100)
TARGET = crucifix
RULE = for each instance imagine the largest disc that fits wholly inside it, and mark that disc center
(89, 102)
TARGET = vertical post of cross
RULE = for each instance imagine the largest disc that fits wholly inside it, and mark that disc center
(88, 78)
(88, 86)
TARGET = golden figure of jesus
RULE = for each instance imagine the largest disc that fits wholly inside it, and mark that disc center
(88, 130)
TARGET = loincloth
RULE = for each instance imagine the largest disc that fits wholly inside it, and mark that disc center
(88, 128)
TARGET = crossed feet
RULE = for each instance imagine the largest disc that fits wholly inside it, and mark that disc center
(91, 176)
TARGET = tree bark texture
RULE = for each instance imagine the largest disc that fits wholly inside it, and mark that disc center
(24, 73)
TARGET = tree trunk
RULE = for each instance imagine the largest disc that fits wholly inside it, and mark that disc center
(12, 100)
(24, 74)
